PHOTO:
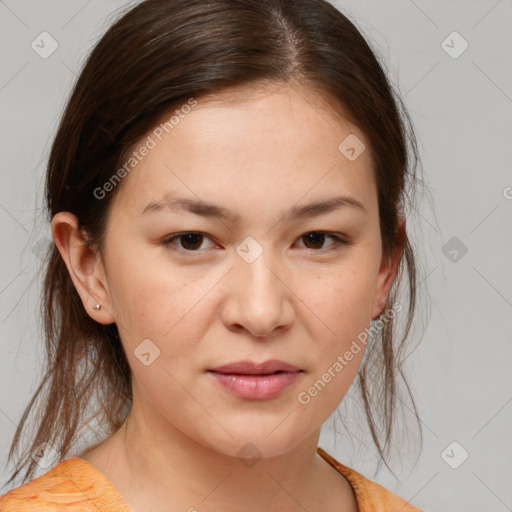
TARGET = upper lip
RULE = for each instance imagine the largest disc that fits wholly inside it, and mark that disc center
(251, 368)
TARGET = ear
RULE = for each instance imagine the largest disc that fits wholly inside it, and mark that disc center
(388, 271)
(84, 266)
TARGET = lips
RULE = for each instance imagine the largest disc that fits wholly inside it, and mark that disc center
(256, 381)
(251, 368)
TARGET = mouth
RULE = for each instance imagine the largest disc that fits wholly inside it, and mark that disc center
(256, 381)
(251, 368)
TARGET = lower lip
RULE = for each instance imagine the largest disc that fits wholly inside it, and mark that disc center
(256, 387)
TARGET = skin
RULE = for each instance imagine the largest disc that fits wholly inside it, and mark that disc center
(258, 153)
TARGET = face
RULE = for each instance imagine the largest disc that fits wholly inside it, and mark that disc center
(261, 277)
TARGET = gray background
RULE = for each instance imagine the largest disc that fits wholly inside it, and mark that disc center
(462, 109)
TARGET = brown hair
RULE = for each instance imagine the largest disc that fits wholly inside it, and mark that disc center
(153, 58)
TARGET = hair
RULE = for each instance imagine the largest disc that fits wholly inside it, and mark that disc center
(156, 56)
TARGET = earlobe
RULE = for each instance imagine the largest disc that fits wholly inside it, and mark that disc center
(84, 266)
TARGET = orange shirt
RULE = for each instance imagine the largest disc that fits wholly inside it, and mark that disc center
(75, 485)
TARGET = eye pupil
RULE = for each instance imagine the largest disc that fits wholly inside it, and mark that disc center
(193, 237)
(314, 238)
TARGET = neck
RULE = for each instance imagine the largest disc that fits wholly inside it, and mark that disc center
(175, 469)
(155, 466)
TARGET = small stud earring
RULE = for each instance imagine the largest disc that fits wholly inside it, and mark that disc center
(97, 306)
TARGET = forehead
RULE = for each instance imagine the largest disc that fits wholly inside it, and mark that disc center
(248, 145)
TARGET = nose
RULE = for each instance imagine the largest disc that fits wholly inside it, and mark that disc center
(259, 296)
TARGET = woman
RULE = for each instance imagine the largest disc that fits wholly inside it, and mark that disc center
(226, 193)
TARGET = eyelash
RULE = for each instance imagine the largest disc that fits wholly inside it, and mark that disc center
(338, 241)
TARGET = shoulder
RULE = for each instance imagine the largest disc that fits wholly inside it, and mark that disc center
(72, 485)
(371, 496)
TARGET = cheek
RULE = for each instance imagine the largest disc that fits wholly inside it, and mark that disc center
(162, 311)
(341, 300)
(339, 305)
(149, 295)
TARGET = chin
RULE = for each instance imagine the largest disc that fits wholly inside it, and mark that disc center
(257, 441)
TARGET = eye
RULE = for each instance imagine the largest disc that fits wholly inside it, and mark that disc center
(191, 241)
(316, 238)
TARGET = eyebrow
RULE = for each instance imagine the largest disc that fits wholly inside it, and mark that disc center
(179, 204)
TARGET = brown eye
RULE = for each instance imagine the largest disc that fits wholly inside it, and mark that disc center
(189, 241)
(316, 239)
